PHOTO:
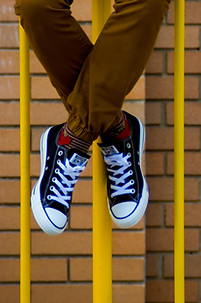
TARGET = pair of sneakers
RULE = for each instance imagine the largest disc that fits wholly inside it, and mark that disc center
(60, 168)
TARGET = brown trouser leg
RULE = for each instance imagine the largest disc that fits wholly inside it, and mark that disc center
(92, 80)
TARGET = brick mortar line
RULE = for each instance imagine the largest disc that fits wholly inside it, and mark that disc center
(88, 282)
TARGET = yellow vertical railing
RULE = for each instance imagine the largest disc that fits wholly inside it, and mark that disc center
(24, 169)
(179, 288)
(102, 226)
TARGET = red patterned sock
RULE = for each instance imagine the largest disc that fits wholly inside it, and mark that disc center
(69, 140)
(120, 131)
(126, 132)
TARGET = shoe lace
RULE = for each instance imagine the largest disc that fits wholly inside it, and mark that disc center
(117, 165)
(68, 176)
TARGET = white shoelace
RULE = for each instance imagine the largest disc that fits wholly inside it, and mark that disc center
(118, 160)
(64, 185)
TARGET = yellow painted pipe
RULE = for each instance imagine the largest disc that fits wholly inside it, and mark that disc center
(102, 225)
(101, 9)
(179, 152)
(102, 234)
(24, 169)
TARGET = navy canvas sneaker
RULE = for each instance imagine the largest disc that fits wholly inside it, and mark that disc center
(52, 195)
(127, 189)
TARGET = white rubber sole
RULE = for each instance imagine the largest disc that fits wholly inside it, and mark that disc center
(41, 218)
(137, 214)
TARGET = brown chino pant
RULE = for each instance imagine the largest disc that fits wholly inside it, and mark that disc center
(92, 80)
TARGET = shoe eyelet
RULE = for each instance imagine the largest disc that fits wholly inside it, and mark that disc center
(49, 197)
(60, 153)
(56, 171)
(58, 161)
(128, 145)
(132, 191)
(130, 172)
(51, 188)
(48, 158)
(132, 182)
(54, 179)
(129, 163)
(129, 154)
(46, 168)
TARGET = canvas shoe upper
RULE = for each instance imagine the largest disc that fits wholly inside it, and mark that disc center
(127, 188)
(52, 195)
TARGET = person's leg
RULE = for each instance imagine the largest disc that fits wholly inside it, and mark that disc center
(109, 73)
(62, 47)
(113, 67)
(57, 40)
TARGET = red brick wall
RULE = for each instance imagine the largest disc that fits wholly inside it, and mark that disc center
(159, 160)
(61, 267)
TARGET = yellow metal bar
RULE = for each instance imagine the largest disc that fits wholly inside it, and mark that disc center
(102, 225)
(102, 234)
(179, 152)
(101, 9)
(24, 169)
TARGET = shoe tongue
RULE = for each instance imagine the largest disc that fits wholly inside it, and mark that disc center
(109, 150)
(78, 160)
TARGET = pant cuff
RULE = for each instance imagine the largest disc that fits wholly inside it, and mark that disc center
(76, 128)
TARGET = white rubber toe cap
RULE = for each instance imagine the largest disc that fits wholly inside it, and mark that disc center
(124, 209)
(56, 217)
